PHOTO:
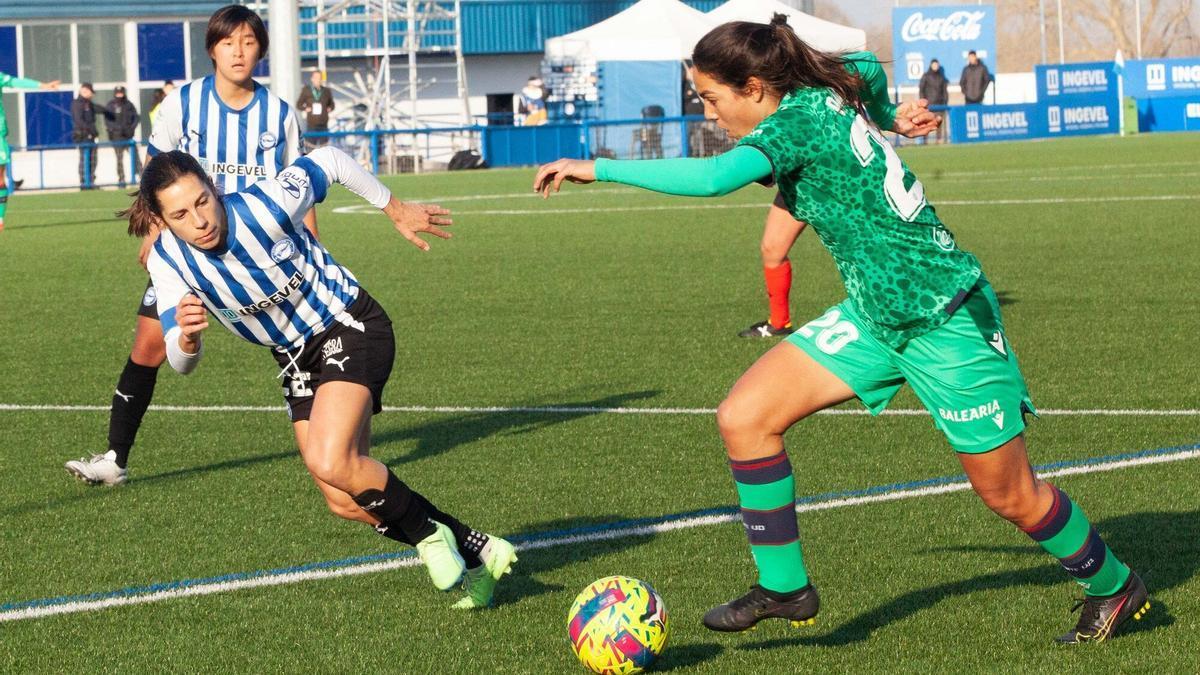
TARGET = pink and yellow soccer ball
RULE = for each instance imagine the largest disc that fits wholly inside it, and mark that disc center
(618, 625)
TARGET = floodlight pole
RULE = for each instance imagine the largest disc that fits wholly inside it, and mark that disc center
(1062, 51)
(1137, 13)
(284, 52)
(1042, 24)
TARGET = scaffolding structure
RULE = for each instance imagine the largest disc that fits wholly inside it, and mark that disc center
(411, 46)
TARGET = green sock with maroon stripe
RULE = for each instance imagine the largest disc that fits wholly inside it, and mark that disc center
(1066, 534)
(767, 495)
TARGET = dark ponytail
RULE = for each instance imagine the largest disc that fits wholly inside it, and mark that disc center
(736, 51)
(160, 172)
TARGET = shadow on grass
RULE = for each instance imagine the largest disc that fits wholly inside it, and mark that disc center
(86, 492)
(449, 432)
(537, 561)
(1161, 546)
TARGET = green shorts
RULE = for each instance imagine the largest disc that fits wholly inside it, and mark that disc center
(964, 371)
(5, 152)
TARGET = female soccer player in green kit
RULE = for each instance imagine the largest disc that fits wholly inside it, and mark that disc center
(10, 82)
(919, 310)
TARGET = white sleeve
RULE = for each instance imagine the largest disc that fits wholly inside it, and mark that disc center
(341, 168)
(168, 124)
(169, 289)
(294, 149)
(297, 188)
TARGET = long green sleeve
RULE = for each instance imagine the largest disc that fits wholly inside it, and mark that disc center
(708, 177)
(9, 81)
(875, 97)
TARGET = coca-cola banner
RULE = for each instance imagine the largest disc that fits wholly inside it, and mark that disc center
(946, 33)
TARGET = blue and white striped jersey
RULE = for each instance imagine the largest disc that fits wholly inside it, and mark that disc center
(236, 147)
(270, 281)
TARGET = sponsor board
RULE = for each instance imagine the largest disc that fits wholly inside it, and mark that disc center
(946, 33)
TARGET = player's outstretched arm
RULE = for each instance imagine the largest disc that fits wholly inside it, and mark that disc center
(410, 219)
(690, 177)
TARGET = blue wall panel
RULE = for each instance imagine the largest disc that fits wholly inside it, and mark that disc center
(160, 51)
(8, 50)
(48, 118)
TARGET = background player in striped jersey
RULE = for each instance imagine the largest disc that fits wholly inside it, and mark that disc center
(245, 258)
(241, 133)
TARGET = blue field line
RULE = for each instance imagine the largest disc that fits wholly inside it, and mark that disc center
(574, 531)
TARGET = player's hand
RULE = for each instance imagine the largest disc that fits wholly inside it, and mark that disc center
(52, 85)
(551, 176)
(411, 218)
(147, 246)
(192, 318)
(914, 120)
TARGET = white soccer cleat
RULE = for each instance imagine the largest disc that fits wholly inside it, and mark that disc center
(99, 470)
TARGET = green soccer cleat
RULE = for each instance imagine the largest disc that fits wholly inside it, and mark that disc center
(439, 552)
(498, 556)
(744, 613)
(1102, 617)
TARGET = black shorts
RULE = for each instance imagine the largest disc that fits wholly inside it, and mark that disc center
(149, 305)
(361, 353)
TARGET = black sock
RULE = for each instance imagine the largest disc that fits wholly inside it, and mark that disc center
(396, 508)
(129, 403)
(470, 542)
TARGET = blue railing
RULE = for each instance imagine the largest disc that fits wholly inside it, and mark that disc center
(500, 145)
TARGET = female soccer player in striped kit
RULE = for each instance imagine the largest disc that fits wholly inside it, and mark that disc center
(246, 258)
(919, 311)
(241, 133)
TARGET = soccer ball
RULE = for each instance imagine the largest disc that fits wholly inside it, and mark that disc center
(618, 625)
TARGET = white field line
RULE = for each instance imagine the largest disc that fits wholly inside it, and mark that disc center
(591, 410)
(761, 205)
(588, 537)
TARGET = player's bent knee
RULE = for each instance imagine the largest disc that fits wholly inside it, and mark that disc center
(1014, 505)
(736, 418)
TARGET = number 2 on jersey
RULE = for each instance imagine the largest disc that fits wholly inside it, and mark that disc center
(907, 203)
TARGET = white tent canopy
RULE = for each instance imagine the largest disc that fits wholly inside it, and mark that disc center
(824, 35)
(651, 30)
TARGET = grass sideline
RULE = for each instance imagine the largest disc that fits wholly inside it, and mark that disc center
(1090, 242)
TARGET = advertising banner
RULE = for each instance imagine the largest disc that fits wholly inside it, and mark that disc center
(1072, 79)
(1076, 116)
(1177, 113)
(1147, 78)
(945, 33)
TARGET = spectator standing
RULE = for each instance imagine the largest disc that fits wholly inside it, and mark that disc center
(83, 133)
(936, 90)
(121, 119)
(531, 104)
(159, 96)
(975, 79)
(316, 101)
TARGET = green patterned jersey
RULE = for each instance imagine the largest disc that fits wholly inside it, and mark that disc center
(836, 172)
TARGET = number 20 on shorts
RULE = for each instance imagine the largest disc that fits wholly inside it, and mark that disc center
(835, 332)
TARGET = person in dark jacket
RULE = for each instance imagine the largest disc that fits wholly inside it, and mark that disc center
(935, 89)
(316, 101)
(121, 119)
(975, 79)
(83, 132)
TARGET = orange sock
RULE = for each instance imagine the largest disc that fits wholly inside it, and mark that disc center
(779, 285)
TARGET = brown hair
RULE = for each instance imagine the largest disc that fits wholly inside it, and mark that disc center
(736, 51)
(228, 19)
(160, 172)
